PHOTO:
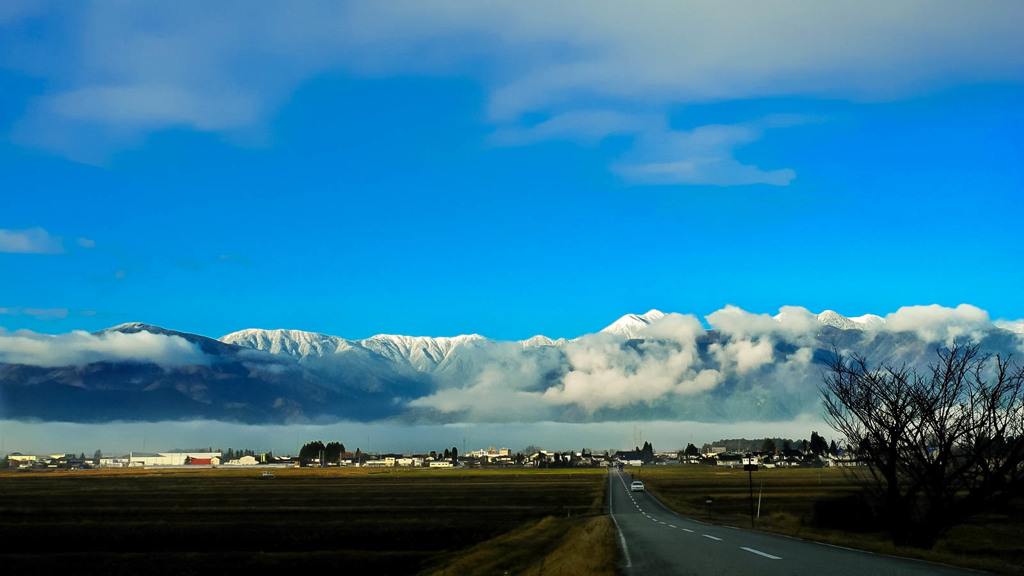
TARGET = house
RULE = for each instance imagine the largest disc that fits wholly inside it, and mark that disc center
(629, 458)
(386, 462)
(19, 460)
(113, 462)
(844, 459)
(726, 460)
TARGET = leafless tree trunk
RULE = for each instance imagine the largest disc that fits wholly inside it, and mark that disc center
(940, 446)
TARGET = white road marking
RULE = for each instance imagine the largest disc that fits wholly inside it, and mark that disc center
(622, 540)
(687, 530)
(711, 537)
(759, 553)
(672, 526)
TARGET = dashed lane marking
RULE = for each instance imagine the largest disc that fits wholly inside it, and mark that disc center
(759, 553)
(711, 537)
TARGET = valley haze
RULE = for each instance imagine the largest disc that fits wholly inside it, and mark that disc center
(668, 378)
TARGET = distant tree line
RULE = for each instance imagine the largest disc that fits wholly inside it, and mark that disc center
(817, 445)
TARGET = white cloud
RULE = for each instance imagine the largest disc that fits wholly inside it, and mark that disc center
(936, 323)
(743, 355)
(793, 321)
(703, 155)
(80, 348)
(38, 313)
(30, 241)
(583, 126)
(147, 106)
(121, 71)
(1016, 326)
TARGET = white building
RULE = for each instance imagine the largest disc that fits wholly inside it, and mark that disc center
(171, 458)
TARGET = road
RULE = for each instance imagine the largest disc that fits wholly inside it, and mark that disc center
(657, 541)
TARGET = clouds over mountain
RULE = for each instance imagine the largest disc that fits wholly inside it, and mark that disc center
(741, 367)
(80, 348)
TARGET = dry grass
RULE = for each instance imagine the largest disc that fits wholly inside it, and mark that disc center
(568, 547)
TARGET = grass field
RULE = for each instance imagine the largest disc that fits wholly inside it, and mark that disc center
(384, 521)
(814, 504)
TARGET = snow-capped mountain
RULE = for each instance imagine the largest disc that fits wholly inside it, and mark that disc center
(631, 324)
(418, 353)
(741, 369)
(291, 342)
(836, 320)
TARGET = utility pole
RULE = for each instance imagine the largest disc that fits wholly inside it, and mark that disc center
(750, 467)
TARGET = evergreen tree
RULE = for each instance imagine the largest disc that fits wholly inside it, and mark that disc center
(818, 444)
(692, 450)
(647, 453)
(455, 454)
(96, 456)
(333, 451)
(311, 451)
(768, 446)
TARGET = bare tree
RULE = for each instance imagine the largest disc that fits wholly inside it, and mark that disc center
(940, 446)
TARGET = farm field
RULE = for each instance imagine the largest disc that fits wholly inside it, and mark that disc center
(820, 504)
(204, 522)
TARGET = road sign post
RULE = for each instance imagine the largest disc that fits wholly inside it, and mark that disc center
(751, 468)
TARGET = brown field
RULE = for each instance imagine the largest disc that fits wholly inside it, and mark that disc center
(388, 521)
(817, 504)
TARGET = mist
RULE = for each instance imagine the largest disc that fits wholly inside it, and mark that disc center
(124, 437)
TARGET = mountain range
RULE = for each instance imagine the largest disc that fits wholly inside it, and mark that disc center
(746, 367)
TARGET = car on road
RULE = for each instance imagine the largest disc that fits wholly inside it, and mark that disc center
(636, 486)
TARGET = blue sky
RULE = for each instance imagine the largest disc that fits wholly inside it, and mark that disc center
(505, 169)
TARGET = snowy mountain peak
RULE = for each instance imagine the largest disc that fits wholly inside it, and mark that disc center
(290, 342)
(540, 340)
(631, 324)
(1015, 326)
(134, 327)
(868, 320)
(836, 320)
(423, 353)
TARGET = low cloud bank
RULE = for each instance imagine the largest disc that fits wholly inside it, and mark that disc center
(747, 366)
(79, 348)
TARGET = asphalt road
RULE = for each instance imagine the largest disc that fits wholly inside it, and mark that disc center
(657, 541)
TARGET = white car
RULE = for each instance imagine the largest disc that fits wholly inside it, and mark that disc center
(636, 486)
